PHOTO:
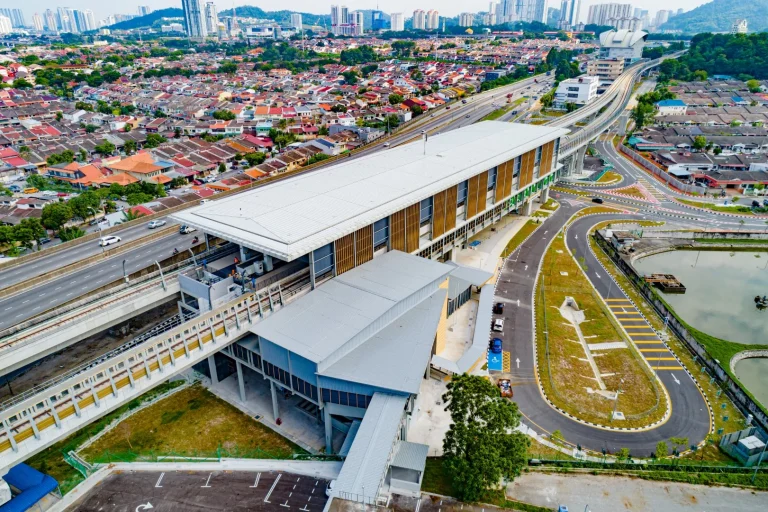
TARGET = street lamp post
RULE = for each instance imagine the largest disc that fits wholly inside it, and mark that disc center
(125, 274)
(616, 404)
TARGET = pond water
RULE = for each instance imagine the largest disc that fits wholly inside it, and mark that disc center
(719, 300)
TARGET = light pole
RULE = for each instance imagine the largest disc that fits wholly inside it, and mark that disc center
(616, 404)
(125, 274)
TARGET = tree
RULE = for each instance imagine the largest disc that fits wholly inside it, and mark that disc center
(154, 140)
(717, 150)
(700, 75)
(753, 86)
(129, 147)
(138, 198)
(699, 142)
(338, 108)
(255, 158)
(130, 214)
(222, 168)
(323, 130)
(678, 442)
(350, 77)
(105, 148)
(224, 115)
(640, 114)
(85, 205)
(20, 83)
(55, 215)
(481, 445)
(623, 454)
(70, 233)
(395, 99)
(416, 110)
(662, 450)
(59, 115)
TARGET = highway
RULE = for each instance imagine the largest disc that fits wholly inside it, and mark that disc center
(61, 289)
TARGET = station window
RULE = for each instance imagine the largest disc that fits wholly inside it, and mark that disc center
(537, 161)
(461, 196)
(277, 373)
(304, 387)
(492, 178)
(333, 396)
(380, 233)
(518, 166)
(426, 211)
(323, 259)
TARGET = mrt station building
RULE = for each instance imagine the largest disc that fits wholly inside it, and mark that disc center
(366, 247)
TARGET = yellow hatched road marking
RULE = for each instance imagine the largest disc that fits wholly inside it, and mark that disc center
(644, 327)
(668, 368)
(643, 334)
(626, 313)
(617, 300)
(653, 350)
(647, 342)
(661, 359)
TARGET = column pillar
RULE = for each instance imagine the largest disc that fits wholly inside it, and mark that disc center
(242, 253)
(240, 380)
(312, 270)
(212, 369)
(268, 263)
(328, 431)
(526, 210)
(273, 390)
(544, 195)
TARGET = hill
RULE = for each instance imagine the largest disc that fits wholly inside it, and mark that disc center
(149, 19)
(718, 15)
(251, 11)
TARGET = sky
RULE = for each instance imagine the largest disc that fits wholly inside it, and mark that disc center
(446, 7)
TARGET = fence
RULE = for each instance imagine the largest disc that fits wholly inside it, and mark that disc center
(740, 396)
(672, 464)
(658, 171)
(220, 453)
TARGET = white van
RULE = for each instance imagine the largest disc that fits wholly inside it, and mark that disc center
(498, 325)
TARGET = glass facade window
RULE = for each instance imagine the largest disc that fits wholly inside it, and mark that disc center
(426, 211)
(462, 193)
(323, 259)
(518, 166)
(537, 161)
(333, 396)
(380, 233)
(555, 152)
(492, 173)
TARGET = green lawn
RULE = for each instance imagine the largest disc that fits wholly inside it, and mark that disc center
(528, 228)
(503, 110)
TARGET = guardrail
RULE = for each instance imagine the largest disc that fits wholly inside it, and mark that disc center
(88, 392)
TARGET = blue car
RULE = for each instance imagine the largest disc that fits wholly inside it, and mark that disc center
(562, 508)
(496, 345)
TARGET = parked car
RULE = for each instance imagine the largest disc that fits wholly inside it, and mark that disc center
(197, 182)
(498, 308)
(464, 102)
(496, 345)
(498, 325)
(597, 200)
(329, 488)
(15, 188)
(184, 230)
(505, 388)
(755, 204)
(155, 224)
(108, 240)
(45, 240)
(31, 190)
(562, 508)
(467, 116)
(203, 201)
(765, 202)
(386, 144)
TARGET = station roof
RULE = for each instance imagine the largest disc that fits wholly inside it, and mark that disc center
(289, 218)
(349, 306)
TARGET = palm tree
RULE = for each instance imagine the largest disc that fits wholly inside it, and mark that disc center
(129, 215)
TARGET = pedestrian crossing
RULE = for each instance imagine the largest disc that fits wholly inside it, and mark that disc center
(643, 335)
(652, 190)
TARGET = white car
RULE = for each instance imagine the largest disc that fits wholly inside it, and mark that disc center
(108, 240)
(498, 325)
(155, 224)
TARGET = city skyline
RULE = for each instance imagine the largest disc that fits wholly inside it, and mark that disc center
(450, 8)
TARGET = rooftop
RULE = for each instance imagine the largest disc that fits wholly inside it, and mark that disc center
(290, 218)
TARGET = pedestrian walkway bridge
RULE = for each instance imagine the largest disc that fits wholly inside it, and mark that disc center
(53, 410)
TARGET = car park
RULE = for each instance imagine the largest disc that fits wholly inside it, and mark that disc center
(496, 345)
(108, 240)
(498, 325)
(155, 224)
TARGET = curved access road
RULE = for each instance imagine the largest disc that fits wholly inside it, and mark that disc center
(690, 415)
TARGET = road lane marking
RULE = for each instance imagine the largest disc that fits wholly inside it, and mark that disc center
(24, 302)
(661, 359)
(266, 498)
(648, 342)
(665, 368)
(159, 480)
(661, 349)
(256, 483)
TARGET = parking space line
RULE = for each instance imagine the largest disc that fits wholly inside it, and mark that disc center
(662, 368)
(285, 504)
(266, 498)
(661, 359)
(157, 485)
(256, 483)
(207, 481)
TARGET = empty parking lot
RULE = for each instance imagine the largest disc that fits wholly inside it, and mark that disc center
(208, 491)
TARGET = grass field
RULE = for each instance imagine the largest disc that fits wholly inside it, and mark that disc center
(731, 241)
(51, 460)
(551, 205)
(566, 374)
(610, 177)
(503, 110)
(736, 209)
(632, 191)
(193, 422)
